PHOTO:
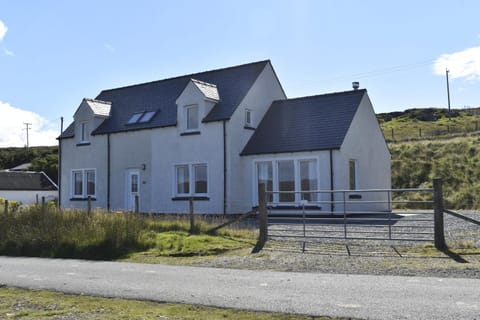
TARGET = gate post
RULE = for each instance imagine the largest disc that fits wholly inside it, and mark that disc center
(191, 215)
(262, 219)
(439, 234)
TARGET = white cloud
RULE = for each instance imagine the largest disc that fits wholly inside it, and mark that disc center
(3, 30)
(12, 128)
(462, 64)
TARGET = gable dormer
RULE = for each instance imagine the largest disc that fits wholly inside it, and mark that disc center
(89, 115)
(194, 103)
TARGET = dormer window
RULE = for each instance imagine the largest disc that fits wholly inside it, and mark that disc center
(248, 118)
(192, 114)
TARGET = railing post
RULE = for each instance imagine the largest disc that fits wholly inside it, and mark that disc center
(439, 235)
(263, 215)
(137, 204)
(192, 218)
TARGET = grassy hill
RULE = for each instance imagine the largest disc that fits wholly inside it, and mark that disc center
(429, 123)
(427, 143)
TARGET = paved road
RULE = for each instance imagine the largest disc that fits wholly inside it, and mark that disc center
(358, 296)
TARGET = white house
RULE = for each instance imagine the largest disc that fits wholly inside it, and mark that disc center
(27, 187)
(215, 136)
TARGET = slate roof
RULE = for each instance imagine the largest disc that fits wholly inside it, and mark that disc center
(26, 181)
(99, 108)
(209, 90)
(305, 124)
(232, 83)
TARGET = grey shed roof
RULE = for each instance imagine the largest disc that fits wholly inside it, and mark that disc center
(305, 124)
(232, 84)
(26, 181)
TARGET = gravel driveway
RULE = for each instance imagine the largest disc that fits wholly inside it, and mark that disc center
(369, 257)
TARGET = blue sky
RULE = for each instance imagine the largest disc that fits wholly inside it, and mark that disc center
(54, 53)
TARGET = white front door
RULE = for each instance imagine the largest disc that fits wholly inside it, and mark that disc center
(132, 188)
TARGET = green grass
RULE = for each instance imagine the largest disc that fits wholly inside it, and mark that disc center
(456, 161)
(26, 304)
(55, 233)
(407, 126)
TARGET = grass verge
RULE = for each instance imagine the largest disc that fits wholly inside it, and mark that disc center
(27, 304)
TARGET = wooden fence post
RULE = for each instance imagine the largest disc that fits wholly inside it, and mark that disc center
(89, 205)
(192, 218)
(439, 234)
(393, 135)
(262, 239)
(6, 207)
(137, 204)
(43, 205)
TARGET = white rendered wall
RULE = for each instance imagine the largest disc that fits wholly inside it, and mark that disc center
(264, 91)
(90, 156)
(130, 150)
(365, 143)
(28, 197)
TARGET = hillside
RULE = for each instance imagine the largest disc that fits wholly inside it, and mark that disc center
(428, 123)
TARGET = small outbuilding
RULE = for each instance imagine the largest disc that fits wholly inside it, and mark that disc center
(27, 187)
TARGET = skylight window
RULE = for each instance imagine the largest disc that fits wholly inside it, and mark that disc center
(135, 117)
(147, 116)
(141, 117)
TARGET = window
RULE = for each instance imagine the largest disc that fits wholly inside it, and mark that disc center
(352, 174)
(265, 179)
(248, 118)
(183, 186)
(293, 179)
(134, 183)
(78, 183)
(83, 132)
(83, 183)
(286, 180)
(147, 116)
(192, 117)
(308, 179)
(191, 179)
(141, 117)
(200, 171)
(135, 117)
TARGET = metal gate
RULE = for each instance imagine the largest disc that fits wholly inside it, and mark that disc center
(393, 214)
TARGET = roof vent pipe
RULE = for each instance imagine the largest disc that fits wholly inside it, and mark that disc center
(355, 85)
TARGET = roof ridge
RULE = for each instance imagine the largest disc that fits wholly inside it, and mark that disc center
(322, 95)
(186, 75)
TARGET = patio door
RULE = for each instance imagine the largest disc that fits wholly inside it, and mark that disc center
(132, 188)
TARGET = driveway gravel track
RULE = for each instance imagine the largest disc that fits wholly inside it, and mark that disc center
(356, 296)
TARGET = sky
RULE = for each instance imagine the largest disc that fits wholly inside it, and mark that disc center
(55, 53)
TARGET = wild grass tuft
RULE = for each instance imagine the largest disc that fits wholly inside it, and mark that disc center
(50, 232)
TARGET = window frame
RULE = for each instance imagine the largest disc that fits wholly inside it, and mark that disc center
(187, 118)
(353, 173)
(297, 179)
(191, 176)
(85, 183)
(249, 118)
(83, 132)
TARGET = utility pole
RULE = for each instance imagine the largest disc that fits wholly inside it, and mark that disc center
(27, 127)
(448, 92)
